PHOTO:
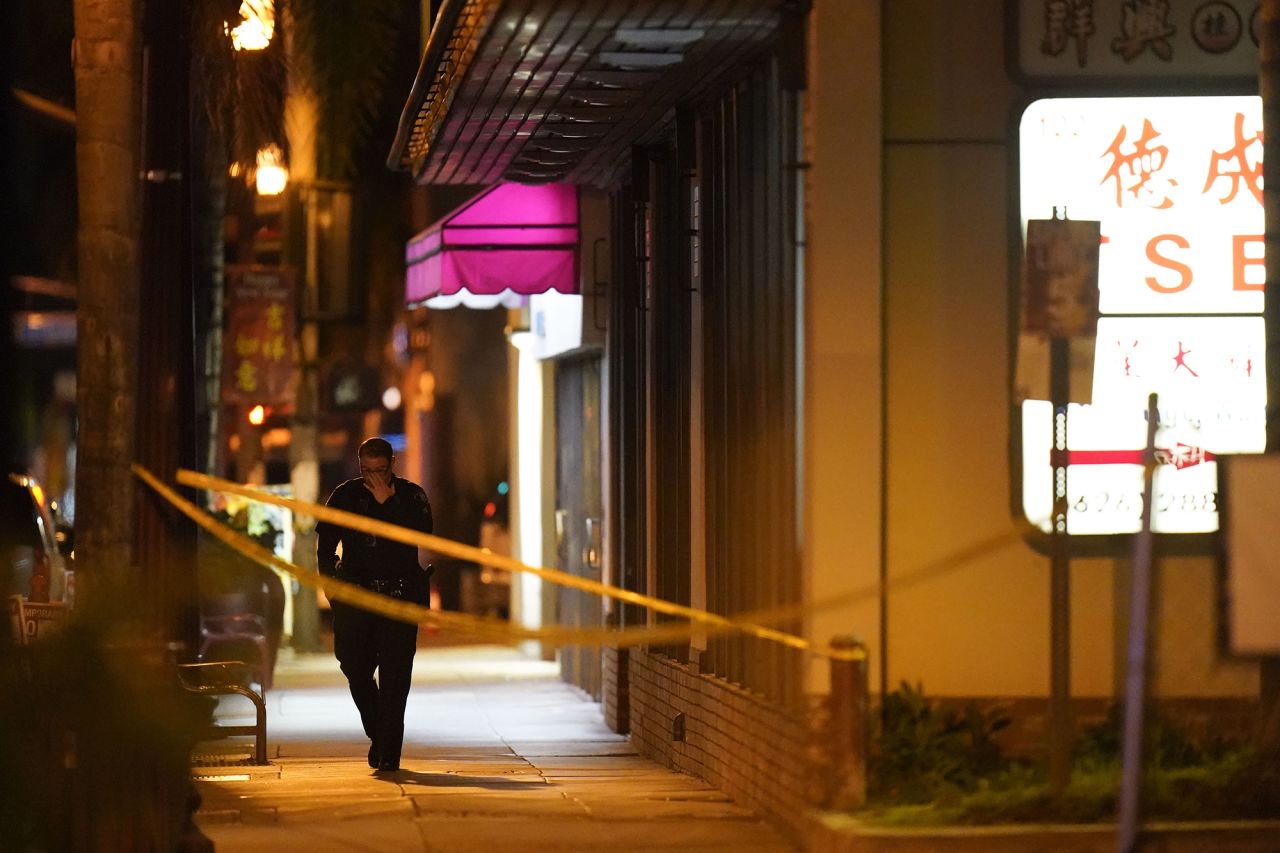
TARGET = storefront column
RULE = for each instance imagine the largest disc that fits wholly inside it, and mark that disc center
(842, 448)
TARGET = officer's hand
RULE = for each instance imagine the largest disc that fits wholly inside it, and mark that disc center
(380, 485)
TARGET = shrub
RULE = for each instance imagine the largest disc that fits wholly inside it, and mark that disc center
(922, 752)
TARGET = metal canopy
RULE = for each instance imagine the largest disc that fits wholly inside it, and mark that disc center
(550, 91)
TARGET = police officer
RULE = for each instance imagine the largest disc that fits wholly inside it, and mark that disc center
(364, 641)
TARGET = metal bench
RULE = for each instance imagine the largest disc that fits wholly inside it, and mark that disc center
(225, 678)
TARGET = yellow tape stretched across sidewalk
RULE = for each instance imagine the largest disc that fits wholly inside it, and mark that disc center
(485, 557)
(491, 630)
(496, 630)
(337, 590)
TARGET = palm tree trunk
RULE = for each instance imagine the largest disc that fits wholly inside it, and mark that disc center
(107, 107)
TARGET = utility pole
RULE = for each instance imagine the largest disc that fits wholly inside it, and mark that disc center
(166, 540)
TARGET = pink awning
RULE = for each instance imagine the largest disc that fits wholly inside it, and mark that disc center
(511, 237)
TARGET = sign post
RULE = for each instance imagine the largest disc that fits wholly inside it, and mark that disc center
(1060, 303)
(1135, 676)
(1060, 723)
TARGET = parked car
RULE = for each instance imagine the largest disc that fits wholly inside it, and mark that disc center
(29, 547)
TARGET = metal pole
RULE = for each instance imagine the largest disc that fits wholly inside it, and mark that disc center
(1135, 678)
(1060, 724)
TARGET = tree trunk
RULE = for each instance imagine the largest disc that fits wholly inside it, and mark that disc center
(107, 107)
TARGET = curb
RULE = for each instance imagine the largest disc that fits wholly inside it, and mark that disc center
(841, 833)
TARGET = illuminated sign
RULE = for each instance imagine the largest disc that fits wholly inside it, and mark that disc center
(1177, 186)
(257, 344)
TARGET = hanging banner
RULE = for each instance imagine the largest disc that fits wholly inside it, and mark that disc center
(258, 341)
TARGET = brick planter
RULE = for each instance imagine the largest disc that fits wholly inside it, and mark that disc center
(705, 726)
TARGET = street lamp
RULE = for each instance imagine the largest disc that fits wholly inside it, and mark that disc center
(257, 25)
(271, 175)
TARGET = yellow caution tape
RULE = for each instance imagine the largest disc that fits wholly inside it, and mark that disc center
(483, 556)
(502, 631)
(337, 590)
(487, 629)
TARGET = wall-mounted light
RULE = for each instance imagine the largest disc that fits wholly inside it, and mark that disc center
(257, 25)
(272, 176)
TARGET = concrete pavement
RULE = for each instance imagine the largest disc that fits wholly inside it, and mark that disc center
(499, 753)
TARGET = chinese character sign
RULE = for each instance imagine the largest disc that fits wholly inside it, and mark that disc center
(1114, 39)
(1176, 184)
(257, 344)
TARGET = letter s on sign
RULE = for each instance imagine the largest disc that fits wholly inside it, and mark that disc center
(1168, 263)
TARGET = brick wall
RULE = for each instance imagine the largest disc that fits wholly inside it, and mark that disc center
(615, 692)
(754, 752)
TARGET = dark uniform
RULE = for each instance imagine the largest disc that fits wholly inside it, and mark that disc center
(364, 641)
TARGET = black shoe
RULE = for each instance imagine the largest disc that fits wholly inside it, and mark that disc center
(373, 755)
(388, 765)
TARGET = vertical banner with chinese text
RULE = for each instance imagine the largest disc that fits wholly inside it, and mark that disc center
(257, 348)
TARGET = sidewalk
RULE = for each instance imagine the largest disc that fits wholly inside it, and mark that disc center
(498, 753)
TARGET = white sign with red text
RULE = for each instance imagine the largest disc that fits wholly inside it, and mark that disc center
(1104, 476)
(1177, 185)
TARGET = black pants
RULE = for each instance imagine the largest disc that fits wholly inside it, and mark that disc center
(363, 642)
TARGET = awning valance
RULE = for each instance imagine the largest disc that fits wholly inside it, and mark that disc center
(511, 237)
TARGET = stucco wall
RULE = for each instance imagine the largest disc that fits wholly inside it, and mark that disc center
(978, 622)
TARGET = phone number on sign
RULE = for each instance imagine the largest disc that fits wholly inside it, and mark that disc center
(1130, 503)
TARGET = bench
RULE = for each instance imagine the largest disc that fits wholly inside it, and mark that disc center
(226, 678)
